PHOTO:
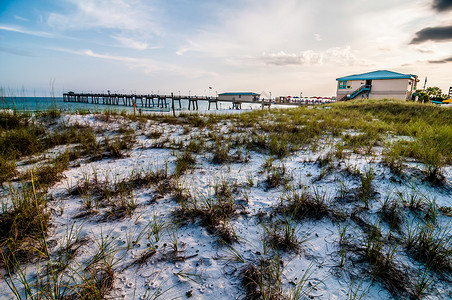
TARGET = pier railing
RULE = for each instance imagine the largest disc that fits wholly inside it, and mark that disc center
(150, 100)
(161, 101)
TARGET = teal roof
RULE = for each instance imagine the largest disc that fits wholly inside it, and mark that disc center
(239, 93)
(377, 75)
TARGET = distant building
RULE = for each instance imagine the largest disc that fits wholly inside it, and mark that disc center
(376, 85)
(239, 96)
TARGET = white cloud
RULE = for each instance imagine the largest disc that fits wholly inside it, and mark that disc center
(132, 23)
(317, 37)
(133, 42)
(336, 55)
(21, 18)
(26, 31)
(145, 65)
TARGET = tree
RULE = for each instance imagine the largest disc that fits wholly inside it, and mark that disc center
(422, 96)
(434, 92)
(431, 93)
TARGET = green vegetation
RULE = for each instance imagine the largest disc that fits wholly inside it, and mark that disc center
(374, 231)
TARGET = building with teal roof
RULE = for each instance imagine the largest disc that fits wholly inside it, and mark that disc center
(381, 84)
(239, 96)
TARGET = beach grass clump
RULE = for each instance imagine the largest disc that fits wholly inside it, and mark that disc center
(65, 135)
(215, 214)
(433, 150)
(181, 195)
(278, 146)
(366, 190)
(69, 247)
(123, 203)
(431, 244)
(429, 146)
(117, 145)
(154, 134)
(90, 145)
(213, 211)
(283, 234)
(221, 153)
(256, 141)
(393, 157)
(29, 137)
(196, 145)
(362, 140)
(391, 212)
(94, 280)
(263, 280)
(184, 162)
(383, 265)
(305, 205)
(194, 120)
(51, 172)
(150, 176)
(7, 169)
(119, 195)
(9, 121)
(23, 224)
(276, 175)
(21, 142)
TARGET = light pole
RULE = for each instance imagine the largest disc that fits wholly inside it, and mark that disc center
(270, 96)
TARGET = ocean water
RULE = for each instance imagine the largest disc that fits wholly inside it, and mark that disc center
(32, 104)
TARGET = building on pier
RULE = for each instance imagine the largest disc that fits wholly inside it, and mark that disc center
(239, 96)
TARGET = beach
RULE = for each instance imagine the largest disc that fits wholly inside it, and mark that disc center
(335, 201)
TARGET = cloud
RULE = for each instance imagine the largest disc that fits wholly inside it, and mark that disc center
(21, 18)
(146, 65)
(441, 61)
(133, 42)
(25, 31)
(317, 37)
(132, 23)
(437, 34)
(337, 55)
(442, 5)
(424, 50)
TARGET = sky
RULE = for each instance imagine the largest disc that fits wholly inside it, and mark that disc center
(203, 47)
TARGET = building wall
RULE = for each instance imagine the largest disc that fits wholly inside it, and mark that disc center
(382, 88)
(238, 97)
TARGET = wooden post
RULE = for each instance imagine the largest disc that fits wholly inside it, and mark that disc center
(134, 108)
(172, 102)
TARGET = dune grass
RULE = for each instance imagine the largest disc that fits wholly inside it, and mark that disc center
(422, 134)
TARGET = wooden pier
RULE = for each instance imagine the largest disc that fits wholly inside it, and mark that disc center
(151, 100)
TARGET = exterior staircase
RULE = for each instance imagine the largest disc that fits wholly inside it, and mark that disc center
(361, 90)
